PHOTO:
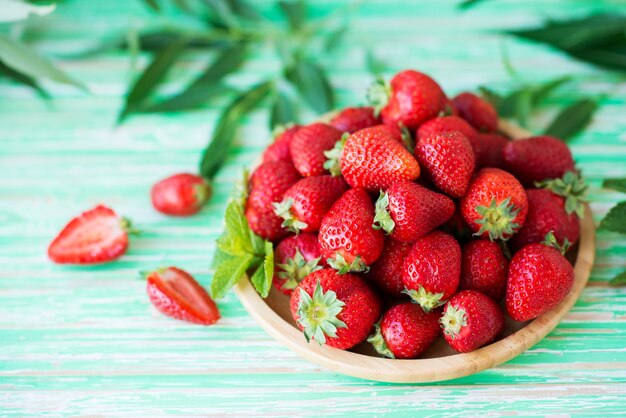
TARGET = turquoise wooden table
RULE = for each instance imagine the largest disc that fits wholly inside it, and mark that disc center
(86, 341)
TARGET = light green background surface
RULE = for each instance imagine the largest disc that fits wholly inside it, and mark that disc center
(86, 341)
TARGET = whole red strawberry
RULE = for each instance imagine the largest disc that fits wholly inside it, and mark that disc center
(432, 269)
(471, 320)
(408, 211)
(478, 112)
(495, 204)
(175, 293)
(279, 149)
(386, 273)
(296, 257)
(546, 212)
(180, 195)
(306, 202)
(354, 119)
(484, 268)
(488, 149)
(405, 331)
(539, 279)
(444, 124)
(308, 146)
(373, 159)
(268, 183)
(96, 236)
(411, 99)
(448, 160)
(338, 310)
(346, 236)
(537, 158)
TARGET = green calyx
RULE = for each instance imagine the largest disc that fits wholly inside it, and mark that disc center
(340, 264)
(407, 138)
(428, 301)
(333, 163)
(382, 219)
(378, 95)
(572, 187)
(318, 314)
(297, 268)
(127, 225)
(379, 343)
(497, 219)
(291, 223)
(452, 320)
(202, 193)
(551, 241)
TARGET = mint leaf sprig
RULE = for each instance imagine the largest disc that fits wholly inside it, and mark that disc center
(615, 221)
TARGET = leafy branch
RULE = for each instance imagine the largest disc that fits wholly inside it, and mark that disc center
(615, 220)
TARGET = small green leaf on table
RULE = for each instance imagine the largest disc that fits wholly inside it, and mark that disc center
(312, 83)
(295, 11)
(572, 119)
(615, 184)
(619, 280)
(283, 109)
(615, 220)
(23, 79)
(153, 5)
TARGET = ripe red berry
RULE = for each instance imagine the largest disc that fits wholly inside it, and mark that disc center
(445, 124)
(354, 119)
(488, 149)
(279, 149)
(296, 257)
(538, 158)
(471, 320)
(448, 160)
(406, 331)
(386, 272)
(478, 112)
(338, 310)
(495, 204)
(180, 195)
(432, 269)
(484, 268)
(308, 146)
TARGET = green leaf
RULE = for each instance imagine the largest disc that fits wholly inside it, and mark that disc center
(336, 38)
(223, 135)
(23, 79)
(228, 271)
(228, 61)
(615, 220)
(543, 91)
(222, 13)
(615, 184)
(374, 65)
(153, 5)
(466, 4)
(619, 280)
(243, 9)
(295, 11)
(152, 76)
(264, 274)
(23, 59)
(236, 237)
(312, 84)
(283, 109)
(191, 98)
(572, 119)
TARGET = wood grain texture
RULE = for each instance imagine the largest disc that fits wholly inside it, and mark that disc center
(85, 341)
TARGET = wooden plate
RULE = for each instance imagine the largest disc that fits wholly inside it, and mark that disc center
(440, 362)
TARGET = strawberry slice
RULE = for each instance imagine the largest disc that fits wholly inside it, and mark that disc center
(96, 236)
(175, 293)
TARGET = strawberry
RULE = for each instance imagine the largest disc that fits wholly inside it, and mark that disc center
(410, 99)
(471, 320)
(495, 204)
(268, 183)
(405, 331)
(445, 124)
(546, 213)
(337, 310)
(346, 236)
(539, 279)
(96, 236)
(488, 148)
(306, 202)
(354, 119)
(175, 293)
(408, 211)
(537, 158)
(296, 257)
(279, 149)
(308, 146)
(372, 159)
(484, 268)
(386, 273)
(432, 269)
(478, 112)
(180, 195)
(448, 160)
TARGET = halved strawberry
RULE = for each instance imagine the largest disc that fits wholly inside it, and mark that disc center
(175, 293)
(96, 236)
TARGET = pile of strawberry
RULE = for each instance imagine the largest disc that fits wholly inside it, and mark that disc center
(416, 217)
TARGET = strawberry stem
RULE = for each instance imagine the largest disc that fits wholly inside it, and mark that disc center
(333, 163)
(551, 241)
(318, 314)
(379, 343)
(382, 219)
(453, 320)
(297, 268)
(340, 264)
(572, 187)
(427, 300)
(378, 95)
(497, 219)
(127, 225)
(291, 223)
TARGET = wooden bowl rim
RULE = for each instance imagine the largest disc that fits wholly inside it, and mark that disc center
(430, 369)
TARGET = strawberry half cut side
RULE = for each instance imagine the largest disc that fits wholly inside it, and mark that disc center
(96, 236)
(175, 293)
